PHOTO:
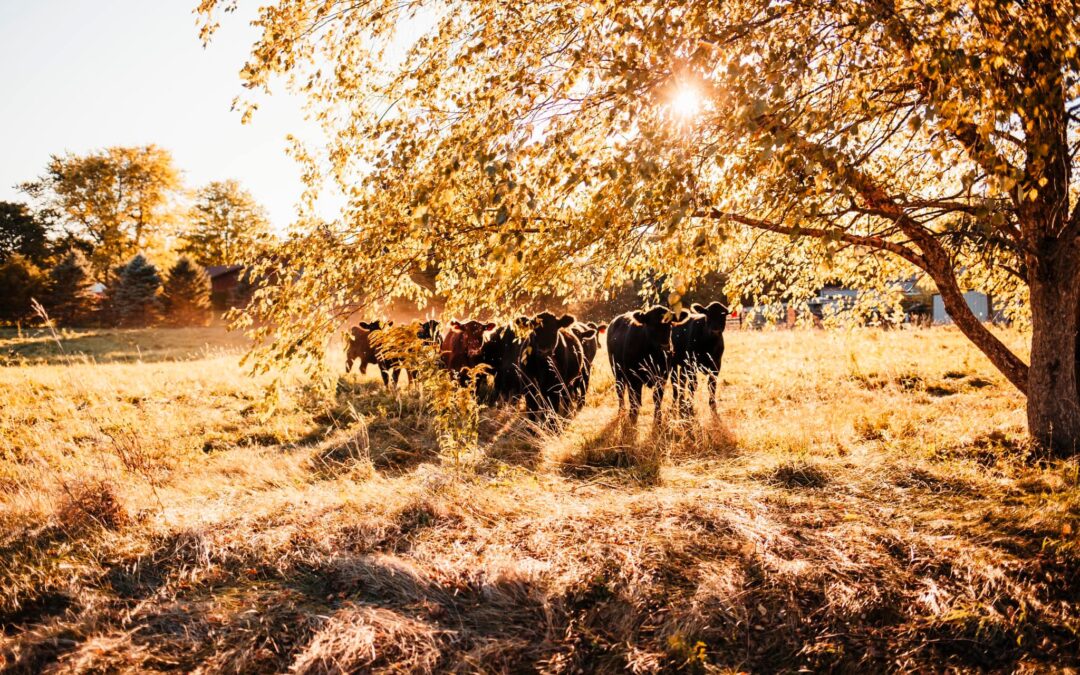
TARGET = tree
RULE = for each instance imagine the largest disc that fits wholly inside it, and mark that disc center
(779, 143)
(227, 225)
(120, 199)
(22, 234)
(22, 282)
(134, 300)
(186, 294)
(70, 299)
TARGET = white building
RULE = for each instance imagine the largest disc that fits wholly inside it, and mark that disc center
(978, 302)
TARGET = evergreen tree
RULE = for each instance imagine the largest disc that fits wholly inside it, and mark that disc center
(22, 281)
(134, 299)
(69, 299)
(186, 295)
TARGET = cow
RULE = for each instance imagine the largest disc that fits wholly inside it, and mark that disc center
(639, 347)
(429, 332)
(501, 353)
(361, 347)
(461, 347)
(589, 335)
(552, 364)
(430, 337)
(697, 347)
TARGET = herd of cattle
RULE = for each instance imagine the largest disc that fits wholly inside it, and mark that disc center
(546, 360)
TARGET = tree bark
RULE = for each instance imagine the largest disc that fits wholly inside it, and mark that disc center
(1053, 409)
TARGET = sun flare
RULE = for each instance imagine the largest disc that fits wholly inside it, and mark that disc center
(686, 102)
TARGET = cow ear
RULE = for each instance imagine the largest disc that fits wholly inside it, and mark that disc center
(602, 328)
(567, 320)
(389, 323)
(684, 315)
(697, 308)
(365, 325)
(455, 323)
(521, 322)
(489, 326)
(639, 316)
(586, 334)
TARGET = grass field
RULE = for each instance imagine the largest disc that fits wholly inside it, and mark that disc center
(863, 501)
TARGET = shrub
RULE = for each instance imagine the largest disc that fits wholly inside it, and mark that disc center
(186, 294)
(22, 281)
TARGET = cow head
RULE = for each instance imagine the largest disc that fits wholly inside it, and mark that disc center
(545, 331)
(657, 321)
(372, 326)
(472, 335)
(429, 331)
(716, 315)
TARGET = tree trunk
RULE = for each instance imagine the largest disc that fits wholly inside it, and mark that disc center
(1053, 409)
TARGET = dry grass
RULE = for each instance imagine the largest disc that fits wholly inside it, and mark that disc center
(863, 501)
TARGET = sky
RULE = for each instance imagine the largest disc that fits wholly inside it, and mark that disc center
(80, 75)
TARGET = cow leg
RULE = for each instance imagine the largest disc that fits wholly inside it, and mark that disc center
(713, 382)
(396, 376)
(689, 384)
(348, 365)
(658, 401)
(620, 392)
(385, 374)
(634, 394)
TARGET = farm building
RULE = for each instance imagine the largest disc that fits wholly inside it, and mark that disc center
(228, 286)
(980, 303)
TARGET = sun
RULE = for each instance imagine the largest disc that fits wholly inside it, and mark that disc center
(686, 103)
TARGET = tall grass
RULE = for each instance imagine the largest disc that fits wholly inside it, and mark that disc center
(863, 501)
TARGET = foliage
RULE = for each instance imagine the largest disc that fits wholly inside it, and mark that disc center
(227, 225)
(21, 233)
(550, 147)
(186, 294)
(70, 300)
(22, 282)
(120, 199)
(455, 412)
(134, 300)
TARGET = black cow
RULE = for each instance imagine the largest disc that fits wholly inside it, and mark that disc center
(552, 362)
(697, 347)
(501, 353)
(430, 336)
(589, 335)
(429, 332)
(639, 346)
(389, 367)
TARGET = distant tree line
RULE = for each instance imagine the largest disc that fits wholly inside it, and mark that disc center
(97, 229)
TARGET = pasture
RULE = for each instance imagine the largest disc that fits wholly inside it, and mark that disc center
(863, 501)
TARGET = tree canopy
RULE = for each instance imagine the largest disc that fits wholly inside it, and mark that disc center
(227, 226)
(22, 233)
(526, 147)
(122, 199)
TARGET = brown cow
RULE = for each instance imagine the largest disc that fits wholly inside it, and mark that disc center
(359, 348)
(462, 344)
